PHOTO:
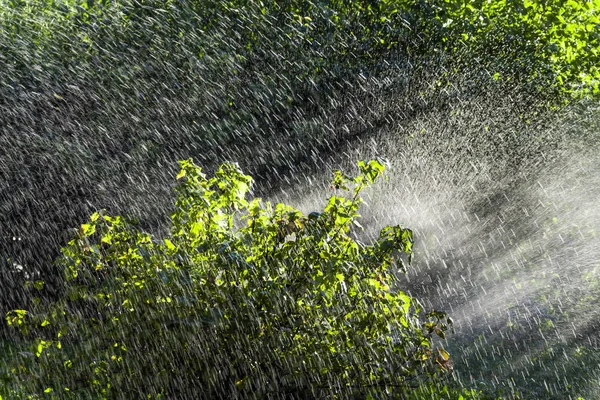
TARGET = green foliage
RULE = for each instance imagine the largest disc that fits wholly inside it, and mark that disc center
(556, 39)
(270, 76)
(241, 299)
(561, 37)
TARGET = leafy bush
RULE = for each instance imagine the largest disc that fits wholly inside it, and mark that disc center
(240, 300)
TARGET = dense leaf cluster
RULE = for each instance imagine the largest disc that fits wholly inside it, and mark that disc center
(242, 299)
(562, 36)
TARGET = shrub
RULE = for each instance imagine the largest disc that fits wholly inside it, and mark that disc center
(240, 300)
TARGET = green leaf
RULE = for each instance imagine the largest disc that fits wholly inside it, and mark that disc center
(39, 348)
(88, 229)
(169, 245)
(371, 170)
